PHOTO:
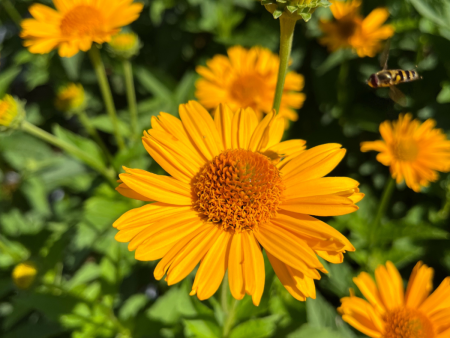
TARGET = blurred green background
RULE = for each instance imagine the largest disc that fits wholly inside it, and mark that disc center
(57, 213)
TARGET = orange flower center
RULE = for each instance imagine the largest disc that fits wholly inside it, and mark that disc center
(406, 149)
(82, 21)
(238, 190)
(407, 323)
(247, 90)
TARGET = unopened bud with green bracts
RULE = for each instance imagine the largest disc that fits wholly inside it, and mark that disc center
(295, 9)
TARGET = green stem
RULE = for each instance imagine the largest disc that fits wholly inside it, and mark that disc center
(287, 26)
(385, 198)
(99, 68)
(131, 97)
(229, 310)
(12, 12)
(86, 122)
(43, 135)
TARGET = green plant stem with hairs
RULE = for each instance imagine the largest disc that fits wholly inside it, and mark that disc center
(99, 68)
(86, 122)
(71, 149)
(229, 310)
(131, 97)
(287, 27)
(385, 198)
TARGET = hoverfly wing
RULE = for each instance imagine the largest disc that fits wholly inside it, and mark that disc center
(384, 57)
(397, 96)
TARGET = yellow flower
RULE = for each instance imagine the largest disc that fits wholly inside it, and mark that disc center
(351, 30)
(247, 78)
(124, 45)
(70, 97)
(234, 188)
(75, 25)
(11, 112)
(24, 274)
(391, 313)
(414, 151)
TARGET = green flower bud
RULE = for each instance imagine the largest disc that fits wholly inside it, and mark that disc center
(295, 9)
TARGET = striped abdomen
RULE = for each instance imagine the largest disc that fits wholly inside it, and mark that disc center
(392, 77)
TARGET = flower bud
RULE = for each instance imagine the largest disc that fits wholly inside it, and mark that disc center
(11, 113)
(124, 45)
(24, 275)
(70, 98)
(295, 9)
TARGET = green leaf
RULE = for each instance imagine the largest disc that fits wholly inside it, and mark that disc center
(444, 94)
(91, 149)
(72, 65)
(201, 329)
(103, 123)
(87, 273)
(152, 83)
(256, 328)
(334, 59)
(308, 331)
(6, 77)
(40, 329)
(320, 313)
(132, 306)
(165, 308)
(437, 11)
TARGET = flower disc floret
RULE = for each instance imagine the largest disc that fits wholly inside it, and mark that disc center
(405, 322)
(239, 189)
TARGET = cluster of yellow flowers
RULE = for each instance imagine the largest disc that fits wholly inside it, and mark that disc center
(235, 187)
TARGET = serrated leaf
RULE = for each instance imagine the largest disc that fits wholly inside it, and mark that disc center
(201, 329)
(256, 328)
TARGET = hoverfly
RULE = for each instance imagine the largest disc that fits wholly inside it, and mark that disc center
(392, 77)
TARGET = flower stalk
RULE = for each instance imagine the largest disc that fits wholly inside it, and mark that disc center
(287, 27)
(131, 97)
(12, 12)
(385, 198)
(43, 135)
(99, 68)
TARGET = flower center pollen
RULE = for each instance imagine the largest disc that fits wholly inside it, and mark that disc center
(81, 21)
(238, 190)
(406, 150)
(407, 323)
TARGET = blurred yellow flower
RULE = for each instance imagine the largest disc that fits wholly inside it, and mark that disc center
(247, 78)
(391, 313)
(230, 194)
(11, 112)
(124, 44)
(351, 30)
(414, 151)
(24, 274)
(75, 25)
(70, 97)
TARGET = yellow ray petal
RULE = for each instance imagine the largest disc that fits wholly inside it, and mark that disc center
(253, 267)
(314, 163)
(180, 248)
(243, 125)
(201, 128)
(213, 267)
(319, 186)
(223, 117)
(310, 227)
(191, 255)
(156, 187)
(235, 267)
(286, 150)
(368, 288)
(438, 300)
(288, 248)
(259, 133)
(327, 205)
(419, 286)
(124, 190)
(331, 256)
(388, 288)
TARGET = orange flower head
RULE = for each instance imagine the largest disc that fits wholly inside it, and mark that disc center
(351, 30)
(414, 151)
(389, 312)
(75, 25)
(235, 188)
(247, 78)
